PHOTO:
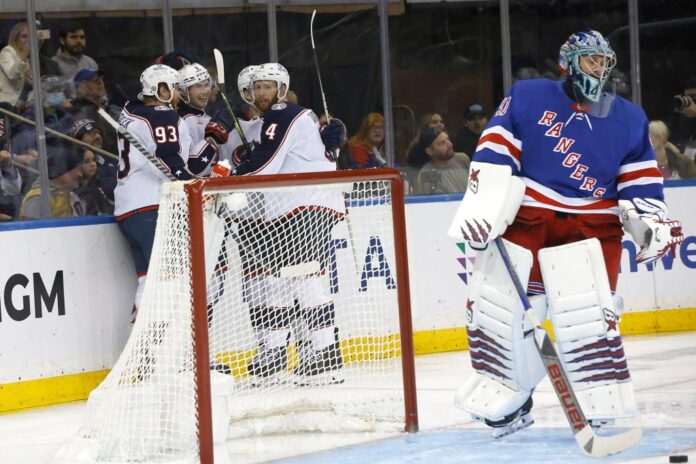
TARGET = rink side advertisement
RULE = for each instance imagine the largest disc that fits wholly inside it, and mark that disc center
(67, 293)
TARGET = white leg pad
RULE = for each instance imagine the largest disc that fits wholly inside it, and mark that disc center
(586, 327)
(507, 363)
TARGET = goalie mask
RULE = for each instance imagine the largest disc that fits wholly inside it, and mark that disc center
(275, 72)
(155, 75)
(244, 84)
(193, 74)
(591, 51)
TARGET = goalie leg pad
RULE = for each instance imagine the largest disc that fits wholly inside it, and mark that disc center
(586, 327)
(507, 364)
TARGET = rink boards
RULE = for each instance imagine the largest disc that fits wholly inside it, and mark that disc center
(66, 293)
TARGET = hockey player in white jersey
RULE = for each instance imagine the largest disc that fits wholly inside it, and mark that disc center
(559, 168)
(153, 121)
(290, 142)
(196, 85)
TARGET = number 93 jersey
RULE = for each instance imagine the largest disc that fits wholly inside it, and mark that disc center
(161, 132)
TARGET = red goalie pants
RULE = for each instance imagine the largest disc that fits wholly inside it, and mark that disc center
(536, 228)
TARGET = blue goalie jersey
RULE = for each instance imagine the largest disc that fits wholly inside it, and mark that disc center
(569, 159)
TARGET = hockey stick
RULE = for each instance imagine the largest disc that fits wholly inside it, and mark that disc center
(48, 130)
(316, 65)
(220, 65)
(592, 444)
(138, 146)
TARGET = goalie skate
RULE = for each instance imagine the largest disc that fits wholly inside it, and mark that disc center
(520, 419)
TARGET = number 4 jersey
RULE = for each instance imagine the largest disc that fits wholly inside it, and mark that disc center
(163, 133)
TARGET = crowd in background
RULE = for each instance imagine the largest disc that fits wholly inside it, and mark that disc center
(82, 177)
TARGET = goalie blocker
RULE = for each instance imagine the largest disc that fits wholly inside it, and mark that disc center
(582, 309)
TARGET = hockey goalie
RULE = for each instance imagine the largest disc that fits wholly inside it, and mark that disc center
(560, 168)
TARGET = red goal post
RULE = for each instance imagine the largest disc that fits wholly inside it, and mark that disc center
(235, 275)
(196, 192)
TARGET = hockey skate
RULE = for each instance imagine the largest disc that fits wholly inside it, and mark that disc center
(268, 362)
(321, 367)
(518, 420)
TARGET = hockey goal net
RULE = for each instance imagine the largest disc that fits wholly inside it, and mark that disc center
(273, 304)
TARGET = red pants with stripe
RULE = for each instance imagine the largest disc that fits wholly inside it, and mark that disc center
(536, 228)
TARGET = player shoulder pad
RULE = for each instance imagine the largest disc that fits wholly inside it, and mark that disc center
(161, 115)
(187, 110)
(285, 108)
(490, 203)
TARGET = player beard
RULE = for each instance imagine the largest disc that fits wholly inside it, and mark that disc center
(265, 105)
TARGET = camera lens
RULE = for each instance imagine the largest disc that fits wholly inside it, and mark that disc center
(679, 102)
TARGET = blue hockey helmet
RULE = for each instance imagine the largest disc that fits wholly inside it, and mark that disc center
(591, 44)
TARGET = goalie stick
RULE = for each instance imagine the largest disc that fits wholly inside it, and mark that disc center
(592, 444)
(220, 65)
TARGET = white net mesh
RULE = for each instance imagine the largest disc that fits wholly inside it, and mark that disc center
(303, 323)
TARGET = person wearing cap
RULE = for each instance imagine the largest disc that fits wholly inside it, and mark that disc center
(70, 57)
(90, 96)
(475, 120)
(65, 175)
(442, 174)
(88, 131)
(415, 155)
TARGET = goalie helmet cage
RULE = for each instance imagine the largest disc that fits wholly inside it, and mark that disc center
(370, 352)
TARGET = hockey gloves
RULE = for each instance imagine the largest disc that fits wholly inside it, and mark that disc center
(333, 134)
(645, 220)
(219, 127)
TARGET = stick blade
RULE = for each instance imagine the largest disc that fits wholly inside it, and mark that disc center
(220, 65)
(599, 446)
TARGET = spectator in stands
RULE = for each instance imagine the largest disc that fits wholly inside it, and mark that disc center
(15, 71)
(56, 117)
(65, 174)
(365, 147)
(87, 130)
(526, 72)
(671, 163)
(93, 197)
(26, 162)
(475, 120)
(91, 95)
(442, 174)
(10, 187)
(416, 156)
(684, 127)
(292, 97)
(70, 57)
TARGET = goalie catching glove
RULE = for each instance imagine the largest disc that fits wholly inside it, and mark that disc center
(646, 221)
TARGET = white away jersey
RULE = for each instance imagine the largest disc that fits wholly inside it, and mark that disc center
(160, 131)
(290, 143)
